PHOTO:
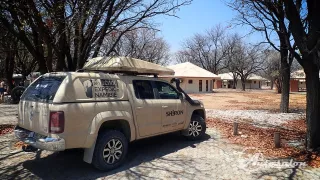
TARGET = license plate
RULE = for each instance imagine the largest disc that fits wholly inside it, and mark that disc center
(35, 135)
(31, 135)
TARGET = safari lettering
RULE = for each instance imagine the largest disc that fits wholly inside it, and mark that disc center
(174, 113)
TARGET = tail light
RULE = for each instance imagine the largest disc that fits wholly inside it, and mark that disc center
(56, 123)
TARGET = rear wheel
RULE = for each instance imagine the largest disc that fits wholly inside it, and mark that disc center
(110, 151)
(197, 128)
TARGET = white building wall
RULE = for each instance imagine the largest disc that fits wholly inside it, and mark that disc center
(250, 84)
(255, 84)
(302, 86)
(227, 84)
(194, 86)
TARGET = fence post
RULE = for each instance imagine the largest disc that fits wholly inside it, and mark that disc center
(235, 128)
(277, 140)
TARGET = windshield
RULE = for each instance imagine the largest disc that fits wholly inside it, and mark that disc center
(43, 89)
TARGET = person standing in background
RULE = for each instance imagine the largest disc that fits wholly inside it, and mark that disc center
(2, 84)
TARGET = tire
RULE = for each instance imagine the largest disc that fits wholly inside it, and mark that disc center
(197, 128)
(108, 142)
(16, 94)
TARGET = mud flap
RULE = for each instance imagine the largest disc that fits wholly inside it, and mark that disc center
(185, 132)
(29, 148)
(88, 153)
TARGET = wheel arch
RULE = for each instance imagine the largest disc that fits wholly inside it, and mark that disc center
(120, 120)
(199, 112)
(116, 124)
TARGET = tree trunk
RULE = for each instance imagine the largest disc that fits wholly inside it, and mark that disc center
(285, 91)
(81, 62)
(235, 81)
(62, 41)
(278, 85)
(313, 113)
(42, 65)
(9, 66)
(271, 85)
(49, 59)
(284, 75)
(285, 83)
(234, 85)
(243, 83)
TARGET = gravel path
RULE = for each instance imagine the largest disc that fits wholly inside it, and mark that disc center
(254, 116)
(8, 113)
(163, 157)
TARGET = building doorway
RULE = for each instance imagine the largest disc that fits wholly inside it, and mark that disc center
(207, 85)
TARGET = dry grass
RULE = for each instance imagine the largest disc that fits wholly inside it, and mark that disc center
(6, 129)
(260, 140)
(253, 99)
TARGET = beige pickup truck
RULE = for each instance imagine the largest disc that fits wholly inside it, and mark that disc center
(103, 112)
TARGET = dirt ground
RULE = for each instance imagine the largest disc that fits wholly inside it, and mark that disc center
(163, 157)
(229, 99)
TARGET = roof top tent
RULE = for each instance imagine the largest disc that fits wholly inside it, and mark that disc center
(125, 65)
(132, 66)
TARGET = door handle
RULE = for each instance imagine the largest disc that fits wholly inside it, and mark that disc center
(164, 106)
(139, 107)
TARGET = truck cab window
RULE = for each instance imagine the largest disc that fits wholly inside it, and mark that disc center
(166, 91)
(143, 89)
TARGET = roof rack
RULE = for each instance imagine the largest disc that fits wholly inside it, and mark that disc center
(124, 65)
(129, 73)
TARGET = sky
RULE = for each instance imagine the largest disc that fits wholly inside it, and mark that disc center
(198, 17)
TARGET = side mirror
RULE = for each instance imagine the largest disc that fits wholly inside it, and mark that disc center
(181, 96)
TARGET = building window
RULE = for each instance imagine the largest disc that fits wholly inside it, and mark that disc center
(207, 85)
(200, 85)
(190, 81)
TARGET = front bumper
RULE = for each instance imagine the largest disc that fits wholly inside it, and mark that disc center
(38, 141)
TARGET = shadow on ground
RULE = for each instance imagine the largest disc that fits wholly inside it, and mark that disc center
(69, 164)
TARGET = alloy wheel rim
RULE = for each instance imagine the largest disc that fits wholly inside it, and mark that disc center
(194, 128)
(113, 151)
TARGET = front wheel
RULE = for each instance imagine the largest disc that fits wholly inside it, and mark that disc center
(110, 151)
(197, 128)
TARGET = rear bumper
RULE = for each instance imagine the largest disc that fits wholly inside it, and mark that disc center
(40, 142)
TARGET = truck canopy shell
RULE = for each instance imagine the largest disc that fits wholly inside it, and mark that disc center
(125, 65)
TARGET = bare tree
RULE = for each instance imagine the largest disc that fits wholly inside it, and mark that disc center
(268, 17)
(8, 51)
(271, 68)
(14, 57)
(233, 44)
(63, 34)
(206, 50)
(142, 44)
(304, 23)
(24, 62)
(244, 60)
